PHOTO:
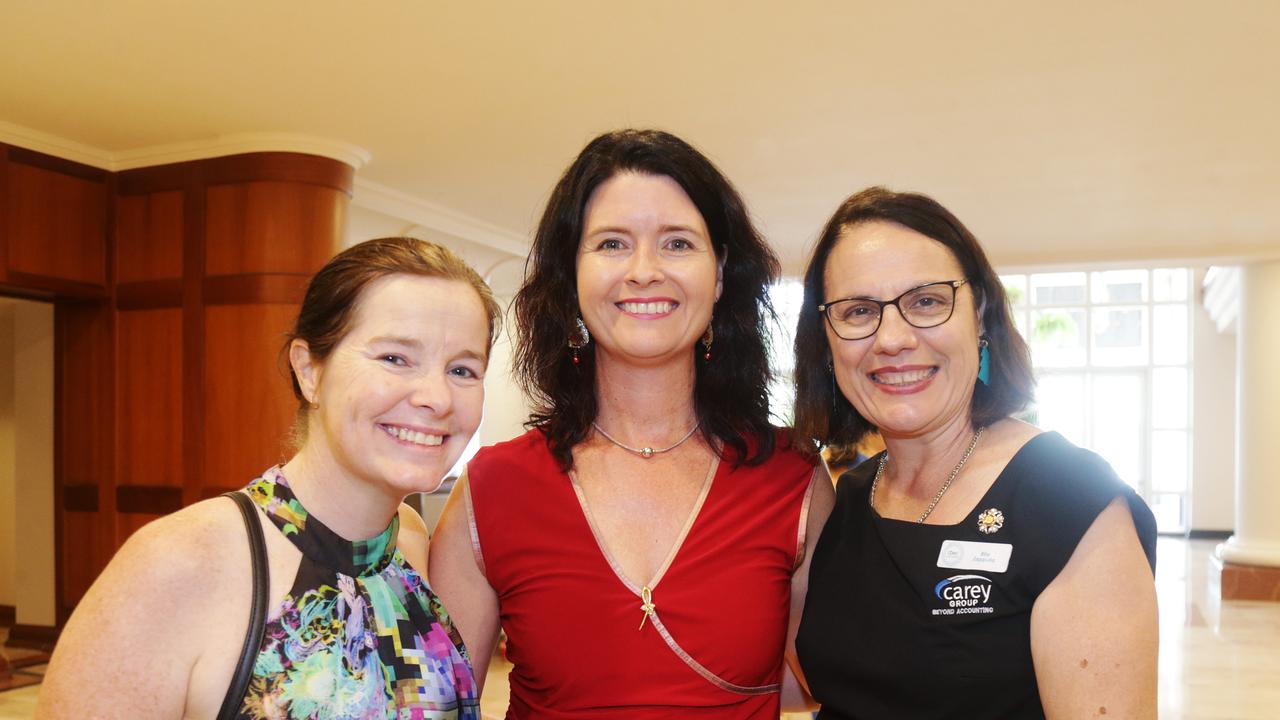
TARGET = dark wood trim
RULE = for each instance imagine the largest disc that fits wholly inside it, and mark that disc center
(149, 294)
(148, 499)
(255, 288)
(109, 234)
(281, 167)
(56, 287)
(1208, 534)
(8, 615)
(60, 609)
(33, 637)
(193, 264)
(158, 178)
(80, 498)
(57, 164)
(248, 167)
(4, 212)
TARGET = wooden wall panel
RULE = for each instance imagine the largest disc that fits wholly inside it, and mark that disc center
(271, 227)
(149, 398)
(149, 237)
(84, 441)
(249, 406)
(80, 555)
(56, 225)
(173, 287)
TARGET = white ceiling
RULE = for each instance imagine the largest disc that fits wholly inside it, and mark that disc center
(1100, 131)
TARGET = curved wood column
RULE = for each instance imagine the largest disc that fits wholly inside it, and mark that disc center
(213, 259)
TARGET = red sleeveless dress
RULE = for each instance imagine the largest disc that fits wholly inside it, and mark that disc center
(711, 647)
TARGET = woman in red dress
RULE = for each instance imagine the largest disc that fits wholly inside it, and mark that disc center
(644, 545)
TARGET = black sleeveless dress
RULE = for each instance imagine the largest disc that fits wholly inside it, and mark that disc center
(904, 620)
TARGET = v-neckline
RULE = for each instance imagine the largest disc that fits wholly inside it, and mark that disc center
(603, 547)
(982, 501)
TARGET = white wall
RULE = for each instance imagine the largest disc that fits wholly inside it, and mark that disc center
(1213, 398)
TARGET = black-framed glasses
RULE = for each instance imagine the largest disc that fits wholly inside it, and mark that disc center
(925, 306)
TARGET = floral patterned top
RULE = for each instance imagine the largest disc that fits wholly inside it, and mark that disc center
(360, 634)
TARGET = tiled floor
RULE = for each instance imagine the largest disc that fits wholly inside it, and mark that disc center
(1218, 661)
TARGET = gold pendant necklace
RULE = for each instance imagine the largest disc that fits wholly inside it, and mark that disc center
(646, 604)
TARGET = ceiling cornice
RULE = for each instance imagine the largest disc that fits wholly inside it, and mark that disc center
(389, 201)
(368, 194)
(222, 145)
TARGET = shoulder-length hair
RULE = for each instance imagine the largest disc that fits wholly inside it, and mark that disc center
(731, 390)
(823, 415)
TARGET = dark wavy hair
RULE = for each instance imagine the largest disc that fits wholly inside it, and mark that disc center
(823, 415)
(731, 391)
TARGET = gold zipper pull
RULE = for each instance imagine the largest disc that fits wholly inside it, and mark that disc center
(646, 604)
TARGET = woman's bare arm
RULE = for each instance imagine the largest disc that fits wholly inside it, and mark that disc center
(462, 587)
(1094, 630)
(129, 649)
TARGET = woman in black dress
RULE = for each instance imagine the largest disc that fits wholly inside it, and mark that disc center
(978, 567)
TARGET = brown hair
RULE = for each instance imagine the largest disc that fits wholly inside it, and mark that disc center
(333, 293)
(822, 414)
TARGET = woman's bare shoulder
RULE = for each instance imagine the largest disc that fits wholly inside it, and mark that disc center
(189, 546)
(414, 539)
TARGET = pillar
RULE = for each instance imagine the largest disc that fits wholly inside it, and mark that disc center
(1250, 559)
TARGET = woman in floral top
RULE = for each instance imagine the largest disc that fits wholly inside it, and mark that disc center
(387, 359)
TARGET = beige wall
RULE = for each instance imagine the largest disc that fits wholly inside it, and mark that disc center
(8, 490)
(27, 571)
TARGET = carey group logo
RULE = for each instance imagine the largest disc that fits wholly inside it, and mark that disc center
(964, 595)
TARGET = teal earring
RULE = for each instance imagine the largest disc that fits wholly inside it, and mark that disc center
(984, 362)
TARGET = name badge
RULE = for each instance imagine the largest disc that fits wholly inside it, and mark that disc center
(967, 555)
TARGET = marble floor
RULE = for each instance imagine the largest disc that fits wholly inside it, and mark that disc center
(1218, 660)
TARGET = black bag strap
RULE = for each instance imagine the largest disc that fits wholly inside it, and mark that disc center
(257, 612)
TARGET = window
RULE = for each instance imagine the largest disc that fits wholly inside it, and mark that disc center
(1111, 352)
(1113, 369)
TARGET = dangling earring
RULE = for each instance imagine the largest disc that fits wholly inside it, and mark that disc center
(984, 362)
(708, 337)
(579, 338)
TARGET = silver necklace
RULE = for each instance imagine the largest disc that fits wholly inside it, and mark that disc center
(884, 459)
(646, 452)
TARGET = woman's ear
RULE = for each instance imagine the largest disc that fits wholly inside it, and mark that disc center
(305, 368)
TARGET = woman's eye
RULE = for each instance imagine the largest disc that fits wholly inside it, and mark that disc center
(610, 244)
(464, 372)
(679, 244)
(392, 359)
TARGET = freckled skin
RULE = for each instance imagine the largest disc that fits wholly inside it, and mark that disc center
(1084, 664)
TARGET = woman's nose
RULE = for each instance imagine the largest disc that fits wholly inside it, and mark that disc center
(895, 333)
(645, 266)
(432, 390)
